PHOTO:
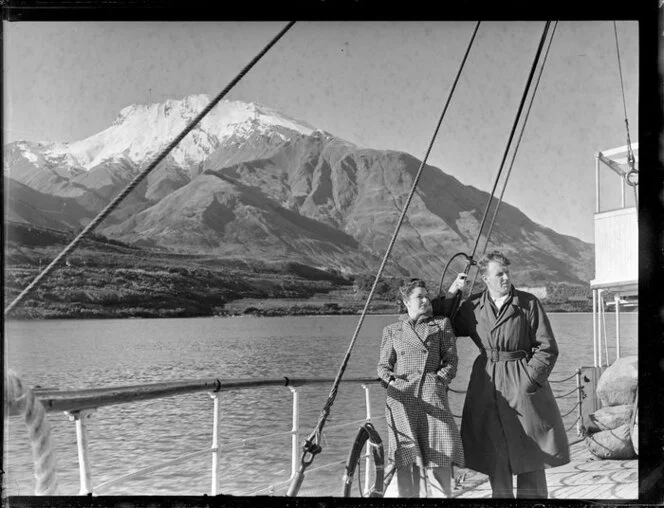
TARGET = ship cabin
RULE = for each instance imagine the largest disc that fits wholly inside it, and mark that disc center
(616, 242)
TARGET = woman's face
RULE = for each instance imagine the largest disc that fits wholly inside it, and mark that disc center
(418, 303)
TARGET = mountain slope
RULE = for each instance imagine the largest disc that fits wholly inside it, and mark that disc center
(25, 205)
(251, 182)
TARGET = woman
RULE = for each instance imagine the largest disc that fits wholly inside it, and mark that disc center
(418, 359)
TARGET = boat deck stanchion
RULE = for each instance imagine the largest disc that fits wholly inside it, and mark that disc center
(295, 431)
(80, 417)
(579, 396)
(367, 460)
(214, 488)
(616, 299)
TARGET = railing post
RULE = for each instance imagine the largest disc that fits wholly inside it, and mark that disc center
(367, 401)
(367, 459)
(579, 397)
(595, 321)
(604, 334)
(295, 431)
(80, 417)
(616, 300)
(597, 183)
(214, 489)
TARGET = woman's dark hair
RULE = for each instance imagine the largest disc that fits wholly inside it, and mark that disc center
(408, 287)
(496, 256)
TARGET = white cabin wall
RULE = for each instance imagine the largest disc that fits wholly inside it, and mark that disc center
(616, 246)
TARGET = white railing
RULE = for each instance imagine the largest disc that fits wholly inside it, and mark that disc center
(80, 404)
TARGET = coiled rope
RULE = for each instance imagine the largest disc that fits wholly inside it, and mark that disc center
(312, 447)
(20, 400)
(138, 178)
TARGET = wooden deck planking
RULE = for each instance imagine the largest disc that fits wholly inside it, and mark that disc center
(585, 477)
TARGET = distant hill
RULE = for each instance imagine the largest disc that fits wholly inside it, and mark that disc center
(251, 182)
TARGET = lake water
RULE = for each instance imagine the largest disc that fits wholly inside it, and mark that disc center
(97, 353)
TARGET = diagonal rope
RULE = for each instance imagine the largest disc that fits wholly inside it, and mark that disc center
(138, 178)
(471, 258)
(518, 142)
(311, 446)
(630, 154)
(516, 149)
(511, 136)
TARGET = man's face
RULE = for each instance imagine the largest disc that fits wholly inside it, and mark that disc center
(497, 279)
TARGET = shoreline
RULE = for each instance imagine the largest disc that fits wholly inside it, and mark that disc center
(249, 312)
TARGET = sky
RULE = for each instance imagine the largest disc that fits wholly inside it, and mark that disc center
(377, 84)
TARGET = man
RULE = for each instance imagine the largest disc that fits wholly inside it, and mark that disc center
(511, 424)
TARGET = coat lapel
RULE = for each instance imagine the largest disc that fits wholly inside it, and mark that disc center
(408, 333)
(488, 316)
(508, 312)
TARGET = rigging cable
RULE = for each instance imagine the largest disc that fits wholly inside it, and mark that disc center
(630, 154)
(311, 446)
(511, 136)
(471, 258)
(138, 178)
(516, 148)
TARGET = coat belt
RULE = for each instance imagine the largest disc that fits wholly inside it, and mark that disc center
(503, 356)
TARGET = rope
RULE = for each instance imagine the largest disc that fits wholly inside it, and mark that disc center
(456, 391)
(509, 141)
(518, 142)
(630, 153)
(21, 400)
(311, 445)
(562, 380)
(567, 394)
(570, 411)
(511, 136)
(138, 178)
(573, 424)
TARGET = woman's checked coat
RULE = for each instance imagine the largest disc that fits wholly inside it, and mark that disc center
(422, 360)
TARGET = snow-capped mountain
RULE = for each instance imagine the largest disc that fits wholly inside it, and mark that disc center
(142, 131)
(252, 182)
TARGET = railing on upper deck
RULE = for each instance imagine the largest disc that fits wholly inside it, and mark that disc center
(79, 404)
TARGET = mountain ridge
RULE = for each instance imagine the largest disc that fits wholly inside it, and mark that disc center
(277, 189)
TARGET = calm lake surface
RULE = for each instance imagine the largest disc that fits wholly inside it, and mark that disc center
(99, 353)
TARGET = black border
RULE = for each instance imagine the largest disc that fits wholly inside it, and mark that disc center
(651, 192)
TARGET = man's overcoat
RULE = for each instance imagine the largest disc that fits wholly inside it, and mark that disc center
(422, 360)
(509, 407)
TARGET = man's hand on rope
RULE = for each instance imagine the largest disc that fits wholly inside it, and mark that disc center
(459, 284)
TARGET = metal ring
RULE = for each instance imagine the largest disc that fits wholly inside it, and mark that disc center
(628, 176)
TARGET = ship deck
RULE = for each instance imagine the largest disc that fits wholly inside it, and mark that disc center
(585, 477)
